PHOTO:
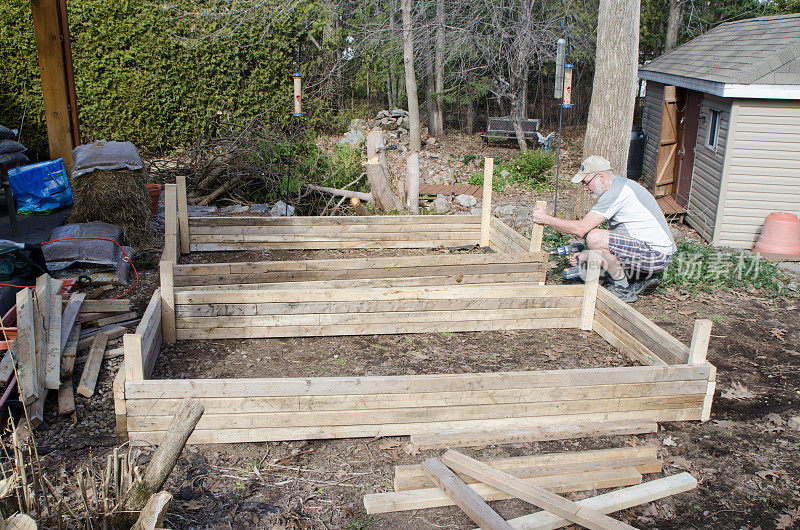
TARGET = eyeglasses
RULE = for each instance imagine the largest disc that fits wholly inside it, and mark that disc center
(586, 184)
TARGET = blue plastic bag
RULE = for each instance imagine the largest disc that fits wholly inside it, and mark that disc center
(40, 188)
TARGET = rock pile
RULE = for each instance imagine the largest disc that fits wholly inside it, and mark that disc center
(391, 120)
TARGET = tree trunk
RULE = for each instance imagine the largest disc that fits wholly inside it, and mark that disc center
(412, 183)
(430, 105)
(517, 122)
(608, 131)
(378, 175)
(673, 25)
(390, 86)
(438, 65)
(415, 139)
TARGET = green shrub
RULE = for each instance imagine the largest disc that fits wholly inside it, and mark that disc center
(529, 170)
(699, 267)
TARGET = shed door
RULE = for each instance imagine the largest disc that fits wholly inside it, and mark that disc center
(688, 140)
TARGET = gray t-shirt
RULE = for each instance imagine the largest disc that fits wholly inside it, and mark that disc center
(632, 211)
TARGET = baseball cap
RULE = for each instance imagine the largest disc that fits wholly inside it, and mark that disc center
(593, 164)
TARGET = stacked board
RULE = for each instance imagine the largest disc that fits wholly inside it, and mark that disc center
(251, 410)
(391, 231)
(367, 310)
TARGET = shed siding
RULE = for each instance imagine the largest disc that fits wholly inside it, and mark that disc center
(763, 170)
(701, 213)
(651, 125)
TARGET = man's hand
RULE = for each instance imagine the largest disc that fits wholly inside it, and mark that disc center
(573, 259)
(539, 215)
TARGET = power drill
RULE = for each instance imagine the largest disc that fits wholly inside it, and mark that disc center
(566, 250)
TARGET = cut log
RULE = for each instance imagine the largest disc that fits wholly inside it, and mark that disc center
(378, 175)
(412, 183)
(166, 456)
(152, 515)
(341, 193)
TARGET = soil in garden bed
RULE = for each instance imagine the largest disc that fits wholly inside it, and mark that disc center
(382, 355)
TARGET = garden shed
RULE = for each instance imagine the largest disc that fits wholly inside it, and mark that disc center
(722, 117)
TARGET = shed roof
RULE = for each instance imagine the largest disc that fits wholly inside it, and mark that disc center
(757, 51)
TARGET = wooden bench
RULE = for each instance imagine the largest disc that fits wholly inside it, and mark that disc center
(502, 127)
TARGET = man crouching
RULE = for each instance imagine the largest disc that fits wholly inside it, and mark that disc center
(638, 244)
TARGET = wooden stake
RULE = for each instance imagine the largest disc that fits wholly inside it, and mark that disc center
(183, 214)
(171, 223)
(486, 212)
(463, 496)
(134, 364)
(93, 363)
(700, 339)
(590, 294)
(538, 231)
(167, 301)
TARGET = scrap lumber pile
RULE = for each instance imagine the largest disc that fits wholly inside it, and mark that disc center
(456, 479)
(53, 327)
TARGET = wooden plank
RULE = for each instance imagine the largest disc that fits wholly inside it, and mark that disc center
(322, 245)
(434, 497)
(307, 232)
(266, 433)
(661, 343)
(52, 70)
(66, 398)
(119, 403)
(153, 348)
(70, 351)
(353, 295)
(613, 501)
(168, 300)
(461, 495)
(594, 266)
(355, 319)
(25, 348)
(112, 331)
(317, 403)
(170, 223)
(307, 386)
(134, 363)
(183, 214)
(380, 238)
(7, 365)
(619, 338)
(534, 494)
(102, 306)
(92, 368)
(537, 434)
(486, 208)
(71, 310)
(156, 420)
(124, 317)
(218, 310)
(700, 338)
(332, 221)
(255, 332)
(537, 232)
(410, 477)
(520, 242)
(52, 367)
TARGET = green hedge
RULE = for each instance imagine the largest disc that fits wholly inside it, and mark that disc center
(143, 75)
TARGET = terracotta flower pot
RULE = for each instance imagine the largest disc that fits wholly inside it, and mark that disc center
(780, 234)
(154, 192)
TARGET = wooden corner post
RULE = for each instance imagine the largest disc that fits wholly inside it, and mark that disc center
(134, 363)
(486, 212)
(537, 233)
(590, 293)
(170, 223)
(183, 214)
(167, 301)
(697, 355)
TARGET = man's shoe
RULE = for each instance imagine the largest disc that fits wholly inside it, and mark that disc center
(626, 294)
(645, 285)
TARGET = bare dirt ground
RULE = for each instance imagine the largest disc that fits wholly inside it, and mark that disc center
(745, 458)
